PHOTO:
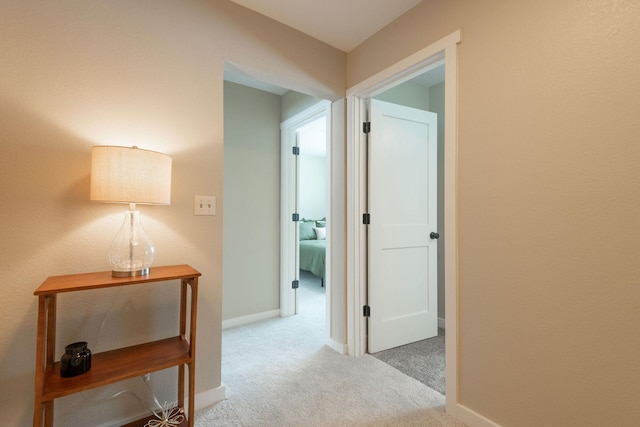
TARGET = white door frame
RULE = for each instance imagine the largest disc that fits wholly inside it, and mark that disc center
(288, 190)
(400, 72)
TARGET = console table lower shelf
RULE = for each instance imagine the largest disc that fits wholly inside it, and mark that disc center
(123, 363)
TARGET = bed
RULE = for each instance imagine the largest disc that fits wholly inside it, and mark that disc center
(313, 246)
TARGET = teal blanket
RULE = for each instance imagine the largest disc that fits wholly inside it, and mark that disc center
(312, 256)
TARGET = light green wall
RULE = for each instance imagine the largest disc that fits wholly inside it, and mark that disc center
(409, 94)
(295, 102)
(251, 244)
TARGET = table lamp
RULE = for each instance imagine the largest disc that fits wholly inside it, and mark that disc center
(134, 176)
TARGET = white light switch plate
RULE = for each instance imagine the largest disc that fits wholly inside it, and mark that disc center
(205, 205)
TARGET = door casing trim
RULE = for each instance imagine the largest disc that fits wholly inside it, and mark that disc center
(415, 64)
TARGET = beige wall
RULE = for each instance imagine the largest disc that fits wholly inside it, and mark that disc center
(549, 193)
(150, 73)
(251, 243)
(548, 181)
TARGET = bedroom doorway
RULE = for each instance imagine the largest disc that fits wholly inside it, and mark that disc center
(305, 198)
(402, 71)
(255, 110)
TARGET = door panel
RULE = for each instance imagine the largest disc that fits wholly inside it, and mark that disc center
(402, 291)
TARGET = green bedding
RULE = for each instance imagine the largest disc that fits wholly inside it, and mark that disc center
(312, 255)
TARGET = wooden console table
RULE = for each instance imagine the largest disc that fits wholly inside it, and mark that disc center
(115, 365)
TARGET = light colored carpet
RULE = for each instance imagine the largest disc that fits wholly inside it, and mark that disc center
(279, 373)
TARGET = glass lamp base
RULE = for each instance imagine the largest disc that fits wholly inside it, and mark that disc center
(131, 251)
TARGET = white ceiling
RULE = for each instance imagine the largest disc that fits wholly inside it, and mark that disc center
(343, 24)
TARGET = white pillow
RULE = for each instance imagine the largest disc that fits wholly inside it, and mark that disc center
(321, 233)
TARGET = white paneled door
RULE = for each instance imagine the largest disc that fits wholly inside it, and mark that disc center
(402, 252)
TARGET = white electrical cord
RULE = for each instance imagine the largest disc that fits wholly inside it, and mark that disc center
(165, 413)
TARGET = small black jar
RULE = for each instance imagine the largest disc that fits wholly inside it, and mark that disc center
(76, 360)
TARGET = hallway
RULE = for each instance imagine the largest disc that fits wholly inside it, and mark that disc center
(278, 372)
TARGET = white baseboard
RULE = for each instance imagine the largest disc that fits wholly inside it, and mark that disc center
(441, 323)
(209, 397)
(251, 318)
(335, 345)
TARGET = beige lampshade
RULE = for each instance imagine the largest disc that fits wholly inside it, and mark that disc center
(130, 175)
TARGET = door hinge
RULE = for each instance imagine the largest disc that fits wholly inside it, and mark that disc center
(366, 127)
(295, 284)
(366, 311)
(366, 219)
(296, 151)
(295, 217)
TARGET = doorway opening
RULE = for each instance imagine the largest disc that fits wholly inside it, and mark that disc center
(405, 322)
(256, 226)
(305, 203)
(403, 71)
